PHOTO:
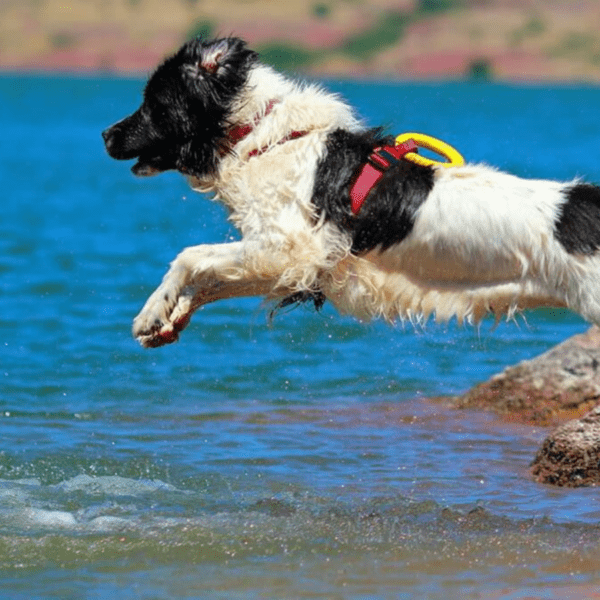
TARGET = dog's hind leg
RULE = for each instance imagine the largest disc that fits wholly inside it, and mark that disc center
(199, 275)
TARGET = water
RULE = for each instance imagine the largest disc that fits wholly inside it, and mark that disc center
(298, 459)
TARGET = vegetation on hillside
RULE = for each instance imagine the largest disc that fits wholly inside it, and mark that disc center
(387, 30)
(531, 39)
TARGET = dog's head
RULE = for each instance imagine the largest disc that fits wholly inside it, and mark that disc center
(183, 119)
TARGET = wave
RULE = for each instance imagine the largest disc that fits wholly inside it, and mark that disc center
(85, 519)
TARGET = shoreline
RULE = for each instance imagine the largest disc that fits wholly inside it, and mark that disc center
(41, 69)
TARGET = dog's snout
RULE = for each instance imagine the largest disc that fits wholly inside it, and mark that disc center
(119, 142)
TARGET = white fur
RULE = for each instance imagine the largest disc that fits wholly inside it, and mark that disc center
(482, 242)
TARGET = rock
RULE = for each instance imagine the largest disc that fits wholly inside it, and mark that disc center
(570, 455)
(561, 384)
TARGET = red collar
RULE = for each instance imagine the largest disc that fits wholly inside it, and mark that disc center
(239, 132)
(379, 161)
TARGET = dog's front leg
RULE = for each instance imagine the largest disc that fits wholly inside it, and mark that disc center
(199, 275)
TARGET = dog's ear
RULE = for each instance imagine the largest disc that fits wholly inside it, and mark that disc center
(217, 58)
(214, 55)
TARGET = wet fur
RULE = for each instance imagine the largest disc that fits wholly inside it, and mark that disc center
(460, 242)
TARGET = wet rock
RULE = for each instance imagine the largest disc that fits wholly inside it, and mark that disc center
(570, 455)
(561, 384)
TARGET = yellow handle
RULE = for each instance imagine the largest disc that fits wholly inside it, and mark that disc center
(453, 157)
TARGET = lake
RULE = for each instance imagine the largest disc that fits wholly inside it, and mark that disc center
(295, 459)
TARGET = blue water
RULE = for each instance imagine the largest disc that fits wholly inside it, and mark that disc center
(297, 459)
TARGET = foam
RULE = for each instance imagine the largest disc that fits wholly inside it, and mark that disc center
(48, 518)
(25, 504)
(113, 485)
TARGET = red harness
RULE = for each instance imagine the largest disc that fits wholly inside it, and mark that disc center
(379, 161)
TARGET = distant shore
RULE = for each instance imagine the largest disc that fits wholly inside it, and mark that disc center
(507, 68)
(502, 40)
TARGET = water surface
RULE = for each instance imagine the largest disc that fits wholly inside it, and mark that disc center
(298, 459)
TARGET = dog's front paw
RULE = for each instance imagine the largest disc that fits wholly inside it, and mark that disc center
(158, 335)
(164, 315)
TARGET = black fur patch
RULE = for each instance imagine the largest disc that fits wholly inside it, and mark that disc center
(388, 213)
(183, 120)
(316, 297)
(578, 227)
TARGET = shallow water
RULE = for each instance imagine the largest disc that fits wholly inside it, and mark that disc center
(298, 459)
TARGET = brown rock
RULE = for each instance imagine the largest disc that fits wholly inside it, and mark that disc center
(560, 384)
(570, 455)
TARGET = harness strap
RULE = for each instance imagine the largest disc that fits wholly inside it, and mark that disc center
(237, 133)
(379, 161)
(292, 136)
(405, 147)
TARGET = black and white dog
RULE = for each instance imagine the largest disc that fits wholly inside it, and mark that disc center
(282, 156)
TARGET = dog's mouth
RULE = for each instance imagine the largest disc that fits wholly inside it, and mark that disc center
(145, 168)
(147, 163)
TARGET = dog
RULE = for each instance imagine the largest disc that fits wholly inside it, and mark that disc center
(283, 157)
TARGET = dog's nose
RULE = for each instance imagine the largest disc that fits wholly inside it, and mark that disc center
(108, 137)
(111, 142)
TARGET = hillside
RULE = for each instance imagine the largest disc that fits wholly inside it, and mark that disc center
(408, 39)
